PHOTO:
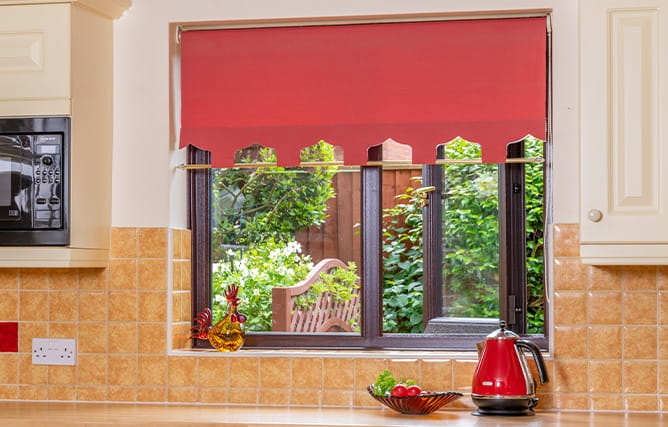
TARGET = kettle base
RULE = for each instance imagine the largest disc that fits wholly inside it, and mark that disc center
(522, 407)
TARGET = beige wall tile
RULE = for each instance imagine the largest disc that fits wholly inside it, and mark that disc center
(186, 244)
(214, 395)
(152, 370)
(152, 243)
(30, 330)
(404, 368)
(604, 278)
(63, 306)
(641, 403)
(62, 392)
(244, 372)
(214, 372)
(436, 375)
(569, 275)
(639, 308)
(663, 342)
(176, 275)
(9, 368)
(122, 394)
(605, 376)
(93, 306)
(9, 305)
(570, 342)
(9, 392)
(92, 337)
(275, 372)
(152, 274)
(31, 374)
(152, 338)
(63, 278)
(186, 277)
(152, 394)
(123, 306)
(569, 308)
(308, 373)
(33, 306)
(123, 274)
(34, 278)
(570, 376)
(33, 392)
(663, 377)
(176, 243)
(182, 371)
(606, 402)
(662, 278)
(91, 393)
(639, 278)
(571, 401)
(9, 278)
(305, 397)
(250, 396)
(62, 330)
(92, 369)
(123, 337)
(122, 370)
(605, 342)
(640, 376)
(274, 396)
(566, 240)
(62, 375)
(367, 371)
(124, 242)
(463, 374)
(640, 342)
(186, 306)
(337, 397)
(604, 308)
(152, 306)
(339, 373)
(93, 278)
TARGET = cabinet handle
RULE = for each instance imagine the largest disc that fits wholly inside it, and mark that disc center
(595, 215)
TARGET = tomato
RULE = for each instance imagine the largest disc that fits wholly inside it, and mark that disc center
(398, 390)
(413, 390)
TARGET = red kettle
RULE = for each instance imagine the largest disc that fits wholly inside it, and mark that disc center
(502, 382)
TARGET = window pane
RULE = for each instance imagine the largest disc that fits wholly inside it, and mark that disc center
(271, 227)
(470, 240)
(535, 225)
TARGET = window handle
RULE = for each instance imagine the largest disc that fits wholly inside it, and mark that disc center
(423, 195)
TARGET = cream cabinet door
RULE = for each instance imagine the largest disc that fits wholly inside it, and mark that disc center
(35, 60)
(624, 131)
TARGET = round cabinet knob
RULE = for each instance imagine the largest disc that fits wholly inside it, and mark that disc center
(595, 215)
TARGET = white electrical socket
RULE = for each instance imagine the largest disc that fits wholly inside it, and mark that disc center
(53, 351)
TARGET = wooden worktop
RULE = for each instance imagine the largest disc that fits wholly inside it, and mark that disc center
(58, 414)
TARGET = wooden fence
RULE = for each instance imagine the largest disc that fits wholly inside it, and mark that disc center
(339, 236)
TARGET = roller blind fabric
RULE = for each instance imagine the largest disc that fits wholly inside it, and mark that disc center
(355, 86)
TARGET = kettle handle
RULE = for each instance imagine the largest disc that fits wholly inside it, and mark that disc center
(537, 357)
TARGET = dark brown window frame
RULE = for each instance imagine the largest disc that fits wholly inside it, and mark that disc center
(371, 337)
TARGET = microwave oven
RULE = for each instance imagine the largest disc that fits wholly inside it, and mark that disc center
(34, 181)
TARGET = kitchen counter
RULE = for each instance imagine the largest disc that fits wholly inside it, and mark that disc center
(56, 414)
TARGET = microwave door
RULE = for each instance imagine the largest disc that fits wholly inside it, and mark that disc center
(15, 182)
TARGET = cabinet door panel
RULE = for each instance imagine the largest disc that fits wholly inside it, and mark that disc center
(624, 115)
(34, 60)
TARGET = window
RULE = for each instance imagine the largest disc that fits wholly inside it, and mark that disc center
(414, 265)
(423, 289)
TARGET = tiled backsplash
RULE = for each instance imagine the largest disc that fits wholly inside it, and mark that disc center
(608, 326)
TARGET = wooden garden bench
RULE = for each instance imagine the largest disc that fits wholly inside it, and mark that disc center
(326, 315)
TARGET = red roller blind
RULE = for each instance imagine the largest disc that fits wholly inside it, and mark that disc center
(355, 86)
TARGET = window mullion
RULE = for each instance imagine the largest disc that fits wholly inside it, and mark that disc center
(372, 252)
(432, 261)
(512, 242)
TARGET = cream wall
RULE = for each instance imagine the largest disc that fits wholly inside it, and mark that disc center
(147, 189)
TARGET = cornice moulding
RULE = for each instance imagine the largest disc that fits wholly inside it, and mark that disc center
(110, 8)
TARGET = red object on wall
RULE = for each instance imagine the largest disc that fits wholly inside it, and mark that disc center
(418, 83)
(9, 337)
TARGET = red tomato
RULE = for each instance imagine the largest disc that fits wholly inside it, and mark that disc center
(398, 390)
(413, 390)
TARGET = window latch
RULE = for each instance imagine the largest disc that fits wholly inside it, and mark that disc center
(423, 195)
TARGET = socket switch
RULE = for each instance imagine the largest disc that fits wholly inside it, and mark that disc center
(52, 351)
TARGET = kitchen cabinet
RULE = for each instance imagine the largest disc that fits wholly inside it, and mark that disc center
(56, 60)
(624, 132)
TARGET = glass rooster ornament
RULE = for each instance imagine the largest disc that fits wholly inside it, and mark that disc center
(226, 335)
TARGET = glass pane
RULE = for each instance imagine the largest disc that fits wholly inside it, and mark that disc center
(535, 225)
(470, 235)
(271, 228)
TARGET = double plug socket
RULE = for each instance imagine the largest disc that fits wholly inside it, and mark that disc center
(53, 351)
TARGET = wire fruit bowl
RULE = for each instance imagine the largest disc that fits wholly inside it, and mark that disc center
(422, 404)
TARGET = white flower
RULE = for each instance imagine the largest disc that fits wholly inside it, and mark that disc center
(256, 292)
